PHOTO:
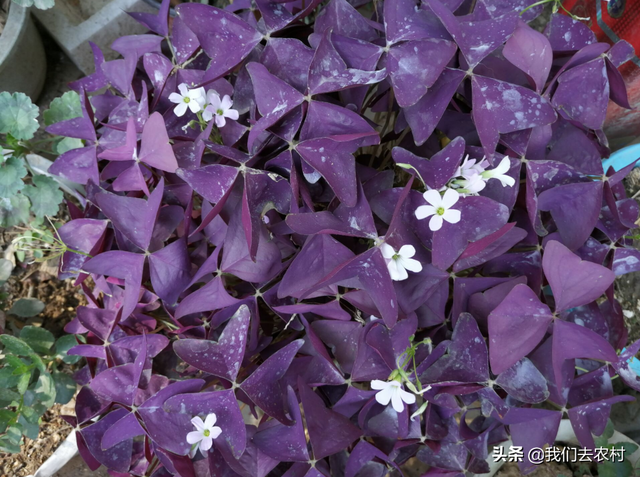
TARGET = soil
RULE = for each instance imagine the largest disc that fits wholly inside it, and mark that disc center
(53, 431)
(61, 298)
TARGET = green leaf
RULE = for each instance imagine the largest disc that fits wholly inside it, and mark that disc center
(629, 447)
(7, 378)
(15, 345)
(64, 344)
(8, 446)
(45, 196)
(11, 174)
(66, 144)
(5, 269)
(23, 383)
(65, 107)
(29, 429)
(27, 308)
(14, 433)
(615, 469)
(33, 404)
(5, 417)
(14, 210)
(65, 387)
(7, 396)
(45, 390)
(18, 114)
(39, 339)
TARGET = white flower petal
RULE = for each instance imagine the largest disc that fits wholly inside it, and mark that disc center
(232, 114)
(210, 421)
(194, 437)
(206, 444)
(215, 432)
(504, 166)
(207, 114)
(377, 384)
(194, 106)
(450, 198)
(220, 121)
(226, 103)
(407, 397)
(452, 216)
(395, 271)
(435, 223)
(425, 211)
(184, 89)
(214, 100)
(433, 197)
(396, 401)
(407, 251)
(175, 98)
(198, 95)
(180, 109)
(198, 423)
(383, 397)
(507, 181)
(387, 251)
(412, 265)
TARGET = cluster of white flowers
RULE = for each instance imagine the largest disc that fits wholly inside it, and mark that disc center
(209, 104)
(206, 431)
(470, 178)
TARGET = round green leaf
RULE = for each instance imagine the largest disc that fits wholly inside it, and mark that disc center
(45, 390)
(14, 211)
(15, 345)
(39, 339)
(18, 115)
(45, 196)
(11, 174)
(65, 387)
(64, 344)
(65, 107)
(27, 307)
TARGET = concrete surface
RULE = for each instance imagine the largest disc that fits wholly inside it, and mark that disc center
(73, 23)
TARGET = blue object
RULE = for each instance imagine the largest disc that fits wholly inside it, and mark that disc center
(622, 158)
(634, 363)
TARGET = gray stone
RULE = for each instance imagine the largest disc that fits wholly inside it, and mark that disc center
(74, 23)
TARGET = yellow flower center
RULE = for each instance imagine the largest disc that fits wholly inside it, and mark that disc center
(207, 433)
(440, 211)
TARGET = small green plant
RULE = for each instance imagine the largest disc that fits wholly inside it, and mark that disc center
(31, 380)
(27, 192)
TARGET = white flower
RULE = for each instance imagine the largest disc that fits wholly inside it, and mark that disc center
(392, 391)
(193, 99)
(220, 109)
(470, 185)
(500, 173)
(204, 434)
(469, 168)
(440, 208)
(399, 262)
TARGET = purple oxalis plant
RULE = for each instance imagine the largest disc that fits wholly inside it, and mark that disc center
(327, 239)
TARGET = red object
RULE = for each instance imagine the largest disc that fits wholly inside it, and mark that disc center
(612, 21)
